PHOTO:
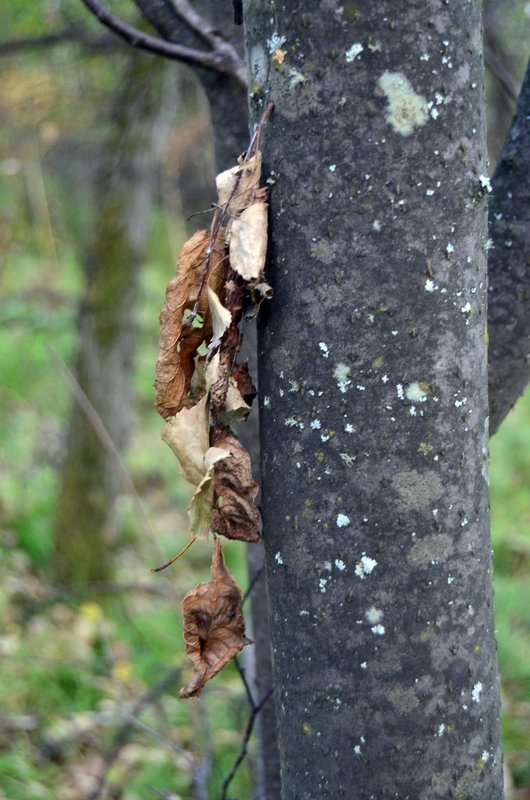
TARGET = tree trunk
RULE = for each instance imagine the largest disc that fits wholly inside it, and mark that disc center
(373, 391)
(89, 483)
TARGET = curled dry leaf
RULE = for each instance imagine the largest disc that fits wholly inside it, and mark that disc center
(258, 293)
(235, 514)
(221, 319)
(180, 337)
(214, 628)
(243, 382)
(248, 240)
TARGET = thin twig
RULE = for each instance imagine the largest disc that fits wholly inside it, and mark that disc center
(255, 578)
(243, 677)
(244, 744)
(216, 60)
(120, 740)
(103, 436)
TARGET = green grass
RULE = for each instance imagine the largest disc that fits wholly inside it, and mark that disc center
(510, 517)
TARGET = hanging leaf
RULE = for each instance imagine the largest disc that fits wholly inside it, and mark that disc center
(248, 240)
(181, 332)
(214, 628)
(235, 514)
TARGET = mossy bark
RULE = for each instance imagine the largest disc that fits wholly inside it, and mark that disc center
(124, 197)
(373, 387)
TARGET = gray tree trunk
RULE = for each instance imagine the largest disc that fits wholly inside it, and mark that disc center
(373, 386)
(125, 191)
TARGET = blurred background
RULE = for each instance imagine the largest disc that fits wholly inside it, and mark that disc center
(104, 155)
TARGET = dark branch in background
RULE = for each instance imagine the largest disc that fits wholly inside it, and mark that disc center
(218, 60)
(75, 35)
(509, 267)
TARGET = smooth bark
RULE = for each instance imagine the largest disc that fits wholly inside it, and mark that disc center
(509, 267)
(89, 482)
(373, 394)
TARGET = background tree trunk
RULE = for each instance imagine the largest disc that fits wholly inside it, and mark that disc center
(509, 290)
(374, 402)
(124, 196)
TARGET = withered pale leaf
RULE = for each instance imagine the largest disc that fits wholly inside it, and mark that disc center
(200, 507)
(235, 514)
(221, 319)
(235, 407)
(187, 435)
(236, 186)
(214, 628)
(180, 340)
(248, 241)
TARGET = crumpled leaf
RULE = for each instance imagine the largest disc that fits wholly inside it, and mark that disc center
(235, 514)
(239, 194)
(221, 319)
(180, 338)
(214, 628)
(248, 240)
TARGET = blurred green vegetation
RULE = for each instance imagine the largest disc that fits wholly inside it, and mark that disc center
(70, 664)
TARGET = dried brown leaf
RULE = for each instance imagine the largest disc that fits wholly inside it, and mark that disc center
(244, 383)
(248, 240)
(214, 628)
(180, 339)
(235, 514)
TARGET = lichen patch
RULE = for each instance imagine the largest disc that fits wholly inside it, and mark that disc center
(406, 109)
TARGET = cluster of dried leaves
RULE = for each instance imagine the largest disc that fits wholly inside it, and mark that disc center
(201, 390)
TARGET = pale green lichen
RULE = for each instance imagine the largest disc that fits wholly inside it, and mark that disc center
(406, 109)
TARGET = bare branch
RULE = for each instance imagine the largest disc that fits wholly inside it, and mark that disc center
(218, 60)
(208, 33)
